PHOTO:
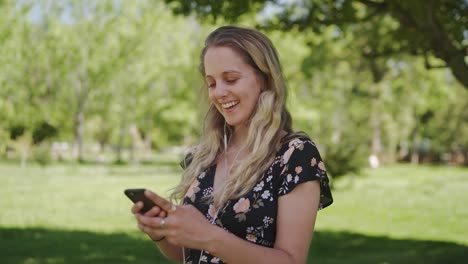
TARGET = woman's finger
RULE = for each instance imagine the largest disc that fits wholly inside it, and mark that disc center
(158, 200)
(153, 222)
(137, 207)
(162, 214)
(154, 211)
(154, 234)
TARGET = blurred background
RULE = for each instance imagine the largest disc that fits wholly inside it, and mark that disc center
(98, 96)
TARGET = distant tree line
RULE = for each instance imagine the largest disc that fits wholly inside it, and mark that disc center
(123, 75)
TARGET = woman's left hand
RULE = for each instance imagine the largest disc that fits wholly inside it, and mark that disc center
(183, 226)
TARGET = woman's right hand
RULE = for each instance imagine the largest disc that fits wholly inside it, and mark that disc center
(155, 212)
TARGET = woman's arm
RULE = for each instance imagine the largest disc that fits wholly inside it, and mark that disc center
(169, 250)
(187, 227)
(297, 212)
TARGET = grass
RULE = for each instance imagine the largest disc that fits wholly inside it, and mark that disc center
(68, 213)
(420, 202)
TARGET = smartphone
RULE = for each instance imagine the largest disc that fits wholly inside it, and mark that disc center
(137, 195)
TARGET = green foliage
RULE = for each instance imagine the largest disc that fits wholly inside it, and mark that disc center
(43, 131)
(229, 10)
(4, 140)
(436, 28)
(345, 158)
(123, 77)
(16, 130)
(104, 61)
(42, 155)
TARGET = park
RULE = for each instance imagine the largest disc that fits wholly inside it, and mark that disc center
(100, 96)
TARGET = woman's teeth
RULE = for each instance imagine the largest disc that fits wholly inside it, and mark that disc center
(229, 105)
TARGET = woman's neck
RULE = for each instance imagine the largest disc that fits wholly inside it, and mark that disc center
(238, 137)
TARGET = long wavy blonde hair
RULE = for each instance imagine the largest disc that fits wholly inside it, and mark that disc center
(266, 125)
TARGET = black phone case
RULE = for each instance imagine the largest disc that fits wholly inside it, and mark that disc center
(139, 195)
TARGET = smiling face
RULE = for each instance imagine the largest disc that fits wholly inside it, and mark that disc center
(233, 85)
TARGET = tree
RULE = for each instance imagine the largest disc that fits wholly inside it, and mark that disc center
(89, 51)
(23, 86)
(424, 28)
(78, 60)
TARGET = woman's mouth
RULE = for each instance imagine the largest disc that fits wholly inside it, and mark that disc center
(230, 105)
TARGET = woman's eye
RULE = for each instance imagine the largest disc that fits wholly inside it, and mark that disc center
(231, 81)
(211, 85)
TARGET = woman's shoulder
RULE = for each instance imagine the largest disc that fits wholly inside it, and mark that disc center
(298, 147)
(295, 139)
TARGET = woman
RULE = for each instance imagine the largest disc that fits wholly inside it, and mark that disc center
(253, 187)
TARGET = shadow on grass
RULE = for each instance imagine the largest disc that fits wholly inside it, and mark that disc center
(343, 247)
(34, 245)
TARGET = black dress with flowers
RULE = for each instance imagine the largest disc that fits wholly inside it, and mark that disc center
(253, 216)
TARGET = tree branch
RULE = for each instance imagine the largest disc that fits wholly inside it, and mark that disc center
(377, 5)
(404, 16)
(428, 65)
(385, 53)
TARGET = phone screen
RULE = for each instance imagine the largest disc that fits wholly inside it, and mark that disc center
(139, 195)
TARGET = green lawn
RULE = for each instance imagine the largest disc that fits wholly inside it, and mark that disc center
(78, 214)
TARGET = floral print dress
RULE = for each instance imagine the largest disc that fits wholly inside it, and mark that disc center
(253, 216)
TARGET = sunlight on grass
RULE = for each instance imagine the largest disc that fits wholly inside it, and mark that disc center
(422, 202)
(77, 197)
(82, 215)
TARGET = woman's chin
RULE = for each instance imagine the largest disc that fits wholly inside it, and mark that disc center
(231, 122)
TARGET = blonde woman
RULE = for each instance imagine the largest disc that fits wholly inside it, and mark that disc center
(252, 187)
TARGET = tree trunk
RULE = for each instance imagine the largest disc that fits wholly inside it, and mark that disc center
(120, 140)
(443, 46)
(375, 119)
(24, 156)
(456, 63)
(137, 144)
(440, 43)
(81, 95)
(79, 134)
(414, 157)
(376, 135)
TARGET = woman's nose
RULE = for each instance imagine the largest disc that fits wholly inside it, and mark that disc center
(221, 91)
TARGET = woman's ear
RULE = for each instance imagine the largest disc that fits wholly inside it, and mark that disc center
(262, 79)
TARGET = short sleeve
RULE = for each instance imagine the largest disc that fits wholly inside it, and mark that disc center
(302, 163)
